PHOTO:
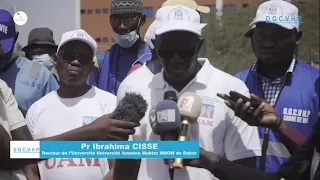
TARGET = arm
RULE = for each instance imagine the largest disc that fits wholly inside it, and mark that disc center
(130, 166)
(241, 142)
(290, 137)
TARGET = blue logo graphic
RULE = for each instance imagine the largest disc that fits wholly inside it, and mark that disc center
(26, 150)
(284, 19)
(88, 119)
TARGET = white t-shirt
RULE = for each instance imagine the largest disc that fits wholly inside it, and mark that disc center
(52, 115)
(10, 119)
(217, 128)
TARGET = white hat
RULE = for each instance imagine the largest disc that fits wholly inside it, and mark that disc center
(150, 35)
(178, 18)
(279, 12)
(80, 35)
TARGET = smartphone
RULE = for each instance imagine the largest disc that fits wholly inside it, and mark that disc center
(234, 96)
(225, 97)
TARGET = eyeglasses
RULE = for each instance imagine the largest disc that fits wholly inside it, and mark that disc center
(68, 57)
(127, 21)
(186, 53)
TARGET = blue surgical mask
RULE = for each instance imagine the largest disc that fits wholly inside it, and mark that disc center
(126, 40)
(44, 59)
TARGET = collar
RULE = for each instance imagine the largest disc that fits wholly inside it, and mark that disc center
(202, 77)
(284, 78)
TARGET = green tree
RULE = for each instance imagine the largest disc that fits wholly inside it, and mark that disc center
(227, 48)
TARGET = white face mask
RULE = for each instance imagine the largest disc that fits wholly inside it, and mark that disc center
(126, 40)
(44, 59)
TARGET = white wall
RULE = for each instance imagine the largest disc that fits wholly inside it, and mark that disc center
(58, 15)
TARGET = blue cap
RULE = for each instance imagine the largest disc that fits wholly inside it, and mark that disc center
(7, 31)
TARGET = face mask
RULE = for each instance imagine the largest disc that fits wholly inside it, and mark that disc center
(44, 59)
(126, 40)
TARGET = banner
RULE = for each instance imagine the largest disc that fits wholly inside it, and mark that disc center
(104, 149)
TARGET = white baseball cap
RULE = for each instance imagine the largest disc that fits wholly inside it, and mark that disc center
(150, 34)
(80, 35)
(279, 12)
(178, 18)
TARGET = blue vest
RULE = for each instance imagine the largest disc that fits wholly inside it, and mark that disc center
(298, 105)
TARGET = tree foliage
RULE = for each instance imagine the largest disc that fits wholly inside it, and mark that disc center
(227, 48)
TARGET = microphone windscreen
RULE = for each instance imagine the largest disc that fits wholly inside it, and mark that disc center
(167, 116)
(189, 104)
(132, 107)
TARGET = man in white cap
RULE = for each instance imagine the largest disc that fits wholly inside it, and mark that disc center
(281, 79)
(178, 41)
(67, 108)
(154, 65)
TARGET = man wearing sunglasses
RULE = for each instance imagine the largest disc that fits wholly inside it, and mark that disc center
(286, 83)
(28, 80)
(178, 40)
(67, 108)
(113, 66)
(155, 65)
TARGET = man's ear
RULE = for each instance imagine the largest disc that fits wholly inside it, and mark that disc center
(298, 37)
(201, 41)
(143, 20)
(55, 60)
(16, 37)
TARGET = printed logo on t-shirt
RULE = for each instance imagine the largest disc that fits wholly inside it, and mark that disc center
(69, 162)
(296, 115)
(32, 84)
(206, 116)
(88, 119)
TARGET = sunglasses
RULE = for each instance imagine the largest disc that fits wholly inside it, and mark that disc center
(68, 57)
(128, 21)
(186, 53)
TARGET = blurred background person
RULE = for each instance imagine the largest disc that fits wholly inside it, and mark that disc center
(126, 18)
(28, 80)
(41, 48)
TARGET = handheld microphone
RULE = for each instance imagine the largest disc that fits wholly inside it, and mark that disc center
(189, 105)
(132, 108)
(170, 95)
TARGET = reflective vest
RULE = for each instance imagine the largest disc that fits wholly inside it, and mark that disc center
(298, 105)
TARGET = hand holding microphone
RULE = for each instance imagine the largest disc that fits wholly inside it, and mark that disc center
(121, 123)
(189, 105)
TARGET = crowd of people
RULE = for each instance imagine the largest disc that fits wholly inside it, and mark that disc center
(277, 139)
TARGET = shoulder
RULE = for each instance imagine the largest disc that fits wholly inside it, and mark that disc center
(103, 94)
(242, 74)
(140, 76)
(229, 80)
(6, 92)
(308, 68)
(46, 100)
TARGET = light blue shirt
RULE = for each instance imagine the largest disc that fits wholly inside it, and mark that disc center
(28, 80)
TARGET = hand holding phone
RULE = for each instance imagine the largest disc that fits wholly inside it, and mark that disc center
(235, 96)
(259, 113)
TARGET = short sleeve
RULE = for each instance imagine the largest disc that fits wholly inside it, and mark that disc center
(14, 115)
(30, 118)
(241, 140)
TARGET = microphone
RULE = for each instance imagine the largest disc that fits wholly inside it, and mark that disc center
(165, 121)
(132, 107)
(190, 108)
(170, 95)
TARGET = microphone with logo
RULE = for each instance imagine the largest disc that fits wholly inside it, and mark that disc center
(189, 105)
(132, 107)
(165, 121)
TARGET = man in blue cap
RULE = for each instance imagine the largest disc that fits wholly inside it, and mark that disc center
(28, 80)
